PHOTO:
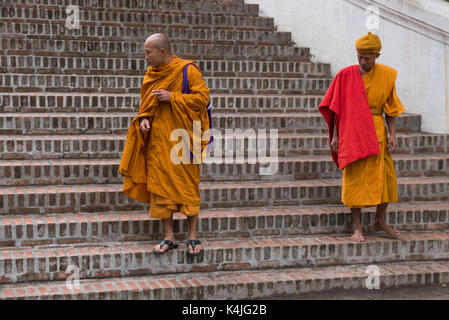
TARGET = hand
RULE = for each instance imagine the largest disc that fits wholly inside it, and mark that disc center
(392, 143)
(162, 95)
(334, 144)
(144, 125)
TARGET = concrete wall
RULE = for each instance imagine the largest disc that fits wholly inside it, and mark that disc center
(414, 34)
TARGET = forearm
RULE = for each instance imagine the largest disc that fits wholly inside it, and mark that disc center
(391, 123)
(335, 131)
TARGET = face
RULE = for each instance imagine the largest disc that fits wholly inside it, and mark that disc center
(154, 56)
(367, 60)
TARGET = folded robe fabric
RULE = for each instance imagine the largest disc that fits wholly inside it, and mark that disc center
(184, 110)
(346, 106)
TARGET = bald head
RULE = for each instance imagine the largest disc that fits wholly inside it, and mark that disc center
(157, 50)
(158, 41)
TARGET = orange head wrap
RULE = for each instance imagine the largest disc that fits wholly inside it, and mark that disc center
(369, 43)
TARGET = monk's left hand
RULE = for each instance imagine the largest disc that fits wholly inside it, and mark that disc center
(392, 143)
(162, 95)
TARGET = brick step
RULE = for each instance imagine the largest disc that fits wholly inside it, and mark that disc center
(177, 6)
(126, 16)
(65, 123)
(47, 263)
(110, 146)
(50, 229)
(101, 38)
(98, 171)
(136, 67)
(196, 52)
(131, 84)
(118, 122)
(239, 284)
(108, 102)
(109, 197)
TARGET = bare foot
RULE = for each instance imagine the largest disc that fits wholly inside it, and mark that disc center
(358, 236)
(378, 226)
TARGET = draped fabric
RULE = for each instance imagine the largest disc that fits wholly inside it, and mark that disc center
(147, 161)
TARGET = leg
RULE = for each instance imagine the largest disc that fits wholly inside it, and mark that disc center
(192, 222)
(167, 225)
(358, 230)
(379, 223)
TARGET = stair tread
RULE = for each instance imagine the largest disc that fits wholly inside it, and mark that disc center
(61, 250)
(127, 113)
(218, 278)
(143, 73)
(213, 185)
(302, 158)
(122, 136)
(214, 213)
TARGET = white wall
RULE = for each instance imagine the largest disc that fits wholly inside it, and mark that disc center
(414, 35)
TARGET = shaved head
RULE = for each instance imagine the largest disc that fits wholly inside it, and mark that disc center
(157, 50)
(159, 41)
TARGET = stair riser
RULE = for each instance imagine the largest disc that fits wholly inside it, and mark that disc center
(16, 174)
(124, 16)
(78, 229)
(104, 199)
(43, 123)
(112, 103)
(84, 147)
(131, 84)
(314, 169)
(197, 52)
(235, 7)
(137, 67)
(104, 262)
(91, 38)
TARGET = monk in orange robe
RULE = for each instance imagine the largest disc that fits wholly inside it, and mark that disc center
(157, 167)
(372, 181)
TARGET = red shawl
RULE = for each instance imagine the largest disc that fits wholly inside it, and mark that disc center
(346, 105)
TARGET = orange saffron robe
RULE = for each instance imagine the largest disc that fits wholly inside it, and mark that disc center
(372, 181)
(149, 173)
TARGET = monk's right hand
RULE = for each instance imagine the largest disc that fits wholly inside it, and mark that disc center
(334, 144)
(144, 125)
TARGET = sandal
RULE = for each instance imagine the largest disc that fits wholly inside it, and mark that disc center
(170, 244)
(193, 243)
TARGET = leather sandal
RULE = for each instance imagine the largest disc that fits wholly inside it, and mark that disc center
(170, 244)
(193, 244)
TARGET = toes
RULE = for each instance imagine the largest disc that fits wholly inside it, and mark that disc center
(159, 249)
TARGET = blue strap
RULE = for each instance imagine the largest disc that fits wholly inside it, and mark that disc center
(186, 90)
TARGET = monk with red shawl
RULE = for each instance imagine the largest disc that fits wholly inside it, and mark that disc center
(353, 108)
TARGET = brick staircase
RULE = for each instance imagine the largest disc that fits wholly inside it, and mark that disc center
(66, 100)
